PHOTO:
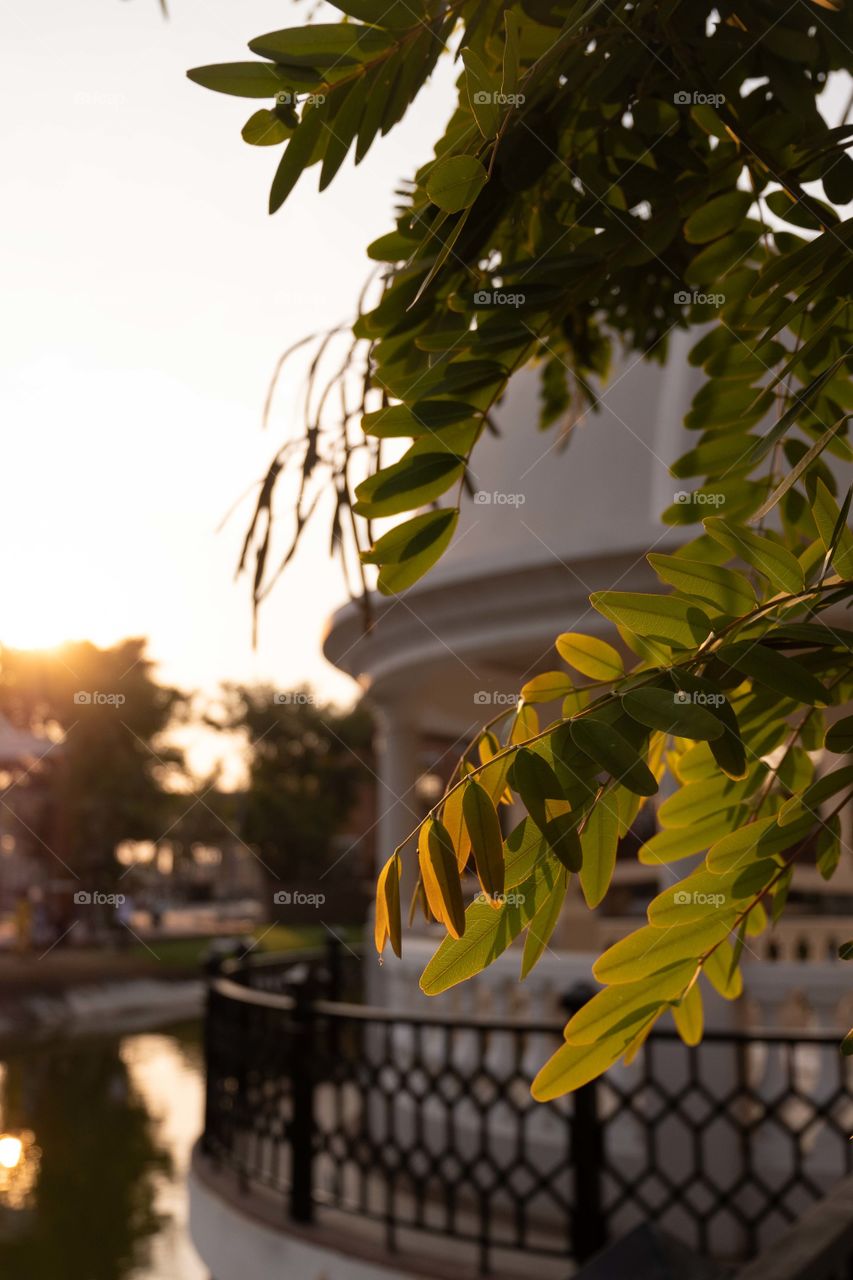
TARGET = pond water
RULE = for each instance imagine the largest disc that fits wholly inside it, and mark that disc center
(95, 1140)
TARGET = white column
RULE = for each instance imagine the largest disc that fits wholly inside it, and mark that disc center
(397, 771)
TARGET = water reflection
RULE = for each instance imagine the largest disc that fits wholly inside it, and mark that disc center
(19, 1169)
(95, 1136)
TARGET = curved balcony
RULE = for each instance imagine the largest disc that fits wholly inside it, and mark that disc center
(351, 1141)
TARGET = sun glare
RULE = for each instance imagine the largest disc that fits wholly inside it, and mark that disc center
(11, 1150)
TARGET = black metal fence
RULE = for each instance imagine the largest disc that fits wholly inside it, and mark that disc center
(426, 1125)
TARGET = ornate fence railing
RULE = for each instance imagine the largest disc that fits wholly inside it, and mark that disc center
(426, 1125)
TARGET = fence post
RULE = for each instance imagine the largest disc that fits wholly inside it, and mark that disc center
(589, 1226)
(302, 1051)
(333, 967)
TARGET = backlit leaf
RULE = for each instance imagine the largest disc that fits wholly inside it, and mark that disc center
(484, 831)
(590, 655)
(455, 182)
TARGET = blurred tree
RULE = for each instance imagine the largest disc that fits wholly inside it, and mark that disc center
(307, 761)
(110, 778)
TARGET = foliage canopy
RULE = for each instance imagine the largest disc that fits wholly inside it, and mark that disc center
(620, 169)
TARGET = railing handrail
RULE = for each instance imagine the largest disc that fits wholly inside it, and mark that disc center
(311, 1097)
(227, 986)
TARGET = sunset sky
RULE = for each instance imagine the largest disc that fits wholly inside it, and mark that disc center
(147, 296)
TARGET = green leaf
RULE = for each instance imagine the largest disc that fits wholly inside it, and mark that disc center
(839, 737)
(728, 750)
(828, 847)
(671, 711)
(648, 950)
(574, 1065)
(322, 44)
(422, 418)
(797, 470)
(773, 669)
(416, 479)
(437, 859)
(343, 128)
(536, 783)
(488, 932)
(666, 618)
(773, 561)
(760, 839)
(482, 87)
(562, 838)
(606, 746)
(703, 894)
(815, 795)
(721, 970)
(834, 532)
(688, 1016)
(730, 591)
(484, 832)
(511, 57)
(683, 842)
(547, 686)
(297, 156)
(398, 15)
(454, 182)
(599, 840)
(242, 79)
(543, 924)
(618, 1010)
(264, 129)
(722, 214)
(590, 656)
(408, 550)
(699, 801)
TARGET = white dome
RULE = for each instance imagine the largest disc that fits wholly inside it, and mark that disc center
(599, 492)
